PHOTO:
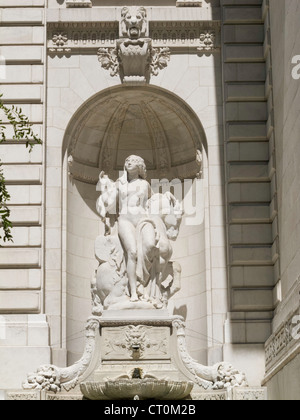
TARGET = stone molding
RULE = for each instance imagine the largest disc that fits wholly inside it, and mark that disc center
(237, 394)
(21, 395)
(88, 3)
(198, 37)
(250, 394)
(79, 3)
(282, 346)
(188, 3)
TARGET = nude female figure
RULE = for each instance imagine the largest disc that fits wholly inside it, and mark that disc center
(132, 192)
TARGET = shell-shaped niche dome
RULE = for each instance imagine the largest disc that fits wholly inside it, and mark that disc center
(144, 121)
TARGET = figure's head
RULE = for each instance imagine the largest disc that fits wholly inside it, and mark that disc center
(136, 163)
(133, 24)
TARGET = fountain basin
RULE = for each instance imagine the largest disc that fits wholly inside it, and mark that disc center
(143, 389)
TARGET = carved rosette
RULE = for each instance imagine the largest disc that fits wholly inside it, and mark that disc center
(60, 43)
(208, 41)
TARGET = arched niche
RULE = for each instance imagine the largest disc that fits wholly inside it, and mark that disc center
(165, 131)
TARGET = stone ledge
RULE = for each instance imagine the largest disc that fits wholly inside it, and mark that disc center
(79, 3)
(238, 394)
(283, 346)
(249, 394)
(22, 396)
(112, 14)
(188, 3)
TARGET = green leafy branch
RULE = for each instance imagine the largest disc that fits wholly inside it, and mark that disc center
(23, 131)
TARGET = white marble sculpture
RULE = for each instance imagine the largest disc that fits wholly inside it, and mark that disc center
(135, 271)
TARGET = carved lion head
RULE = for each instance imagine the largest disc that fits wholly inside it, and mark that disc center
(134, 22)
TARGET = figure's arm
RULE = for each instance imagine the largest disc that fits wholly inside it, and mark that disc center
(150, 191)
(107, 202)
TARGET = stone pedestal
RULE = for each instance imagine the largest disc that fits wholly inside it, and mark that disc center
(138, 340)
(139, 353)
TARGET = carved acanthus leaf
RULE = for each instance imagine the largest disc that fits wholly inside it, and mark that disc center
(108, 57)
(160, 58)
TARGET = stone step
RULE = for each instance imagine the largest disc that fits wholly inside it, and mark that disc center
(22, 258)
(238, 131)
(15, 54)
(22, 279)
(255, 213)
(26, 215)
(29, 35)
(245, 92)
(20, 302)
(18, 74)
(252, 276)
(246, 152)
(254, 234)
(238, 53)
(24, 237)
(22, 3)
(249, 192)
(244, 14)
(25, 194)
(34, 112)
(248, 172)
(251, 255)
(12, 155)
(22, 16)
(250, 34)
(244, 72)
(23, 174)
(22, 94)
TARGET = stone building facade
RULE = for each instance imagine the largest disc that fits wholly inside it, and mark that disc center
(222, 90)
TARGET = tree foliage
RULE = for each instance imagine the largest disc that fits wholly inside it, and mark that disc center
(22, 132)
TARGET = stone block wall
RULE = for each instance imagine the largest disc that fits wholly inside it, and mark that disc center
(250, 172)
(283, 347)
(24, 330)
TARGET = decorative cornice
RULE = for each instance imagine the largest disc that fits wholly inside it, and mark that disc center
(283, 346)
(79, 3)
(189, 3)
(196, 36)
